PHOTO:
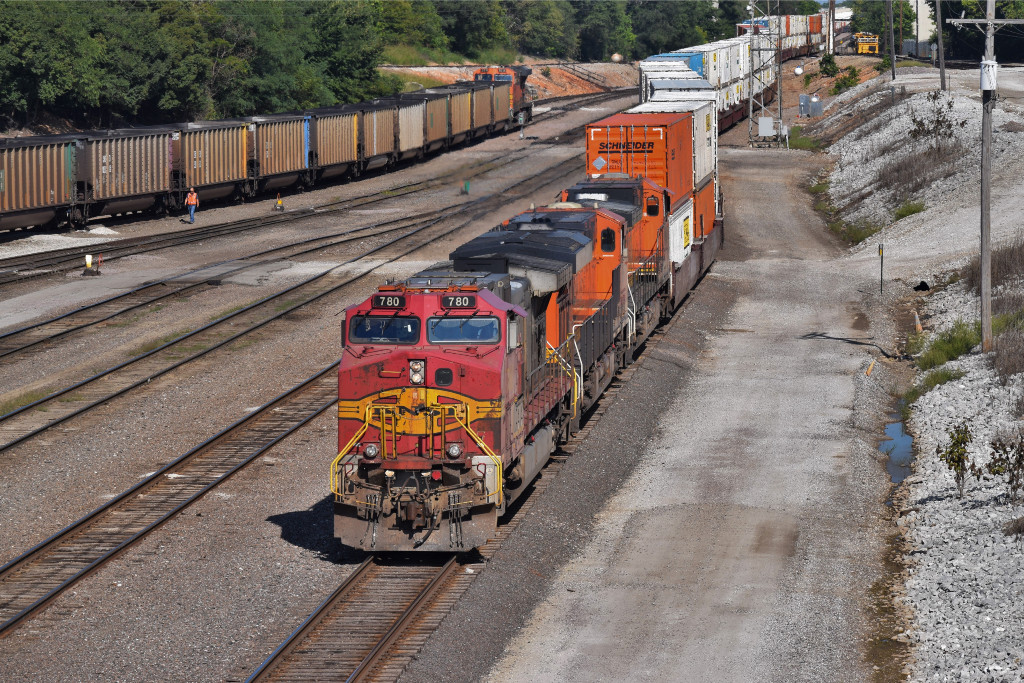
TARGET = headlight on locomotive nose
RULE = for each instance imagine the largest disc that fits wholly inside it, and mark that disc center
(454, 450)
(371, 451)
(417, 371)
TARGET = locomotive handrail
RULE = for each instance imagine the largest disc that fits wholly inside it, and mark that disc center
(570, 371)
(335, 483)
(490, 454)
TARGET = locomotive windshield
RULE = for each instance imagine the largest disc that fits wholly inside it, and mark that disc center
(380, 329)
(463, 330)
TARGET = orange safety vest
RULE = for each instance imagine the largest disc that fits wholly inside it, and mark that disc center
(192, 199)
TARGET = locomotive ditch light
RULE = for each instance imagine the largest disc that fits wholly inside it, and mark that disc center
(454, 450)
(371, 451)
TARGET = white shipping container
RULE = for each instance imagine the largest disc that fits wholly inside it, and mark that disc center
(680, 232)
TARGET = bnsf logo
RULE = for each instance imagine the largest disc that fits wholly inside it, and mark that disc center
(626, 147)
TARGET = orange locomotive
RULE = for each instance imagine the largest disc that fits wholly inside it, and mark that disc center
(456, 385)
(521, 95)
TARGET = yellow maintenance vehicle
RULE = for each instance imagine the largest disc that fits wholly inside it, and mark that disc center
(867, 43)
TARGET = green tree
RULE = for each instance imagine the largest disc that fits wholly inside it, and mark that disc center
(473, 26)
(665, 26)
(870, 16)
(604, 29)
(544, 29)
(347, 48)
(412, 22)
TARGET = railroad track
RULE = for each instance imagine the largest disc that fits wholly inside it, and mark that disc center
(373, 639)
(31, 336)
(36, 417)
(19, 268)
(33, 580)
(29, 582)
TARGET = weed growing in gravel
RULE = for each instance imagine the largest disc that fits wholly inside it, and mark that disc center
(819, 188)
(807, 80)
(12, 404)
(1009, 354)
(1015, 528)
(921, 167)
(955, 457)
(1007, 266)
(1008, 460)
(156, 343)
(846, 81)
(930, 381)
(908, 209)
(856, 232)
(883, 65)
(952, 343)
(916, 342)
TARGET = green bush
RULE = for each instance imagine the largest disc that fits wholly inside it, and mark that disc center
(546, 72)
(819, 188)
(909, 209)
(846, 81)
(807, 80)
(828, 66)
(883, 65)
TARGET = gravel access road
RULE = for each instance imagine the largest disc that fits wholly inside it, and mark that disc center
(725, 519)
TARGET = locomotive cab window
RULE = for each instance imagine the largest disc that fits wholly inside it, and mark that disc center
(463, 330)
(380, 329)
(608, 241)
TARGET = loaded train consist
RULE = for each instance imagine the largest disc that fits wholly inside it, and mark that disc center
(457, 384)
(65, 179)
(721, 71)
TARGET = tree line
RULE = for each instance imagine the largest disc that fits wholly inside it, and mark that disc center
(108, 63)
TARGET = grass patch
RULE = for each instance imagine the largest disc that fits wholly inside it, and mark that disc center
(854, 233)
(798, 141)
(228, 311)
(819, 188)
(953, 343)
(70, 398)
(1009, 357)
(498, 55)
(909, 209)
(284, 305)
(21, 400)
(910, 62)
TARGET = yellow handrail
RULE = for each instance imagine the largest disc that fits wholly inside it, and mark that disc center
(570, 371)
(335, 484)
(490, 454)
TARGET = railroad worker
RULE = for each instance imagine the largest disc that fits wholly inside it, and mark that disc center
(192, 202)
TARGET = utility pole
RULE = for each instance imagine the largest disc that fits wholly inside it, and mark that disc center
(892, 39)
(830, 41)
(988, 97)
(938, 33)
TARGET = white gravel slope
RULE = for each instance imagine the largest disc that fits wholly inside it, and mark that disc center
(965, 587)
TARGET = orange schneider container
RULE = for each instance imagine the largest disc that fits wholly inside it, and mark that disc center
(655, 146)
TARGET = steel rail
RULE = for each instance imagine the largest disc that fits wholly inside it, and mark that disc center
(45, 571)
(65, 326)
(396, 630)
(22, 434)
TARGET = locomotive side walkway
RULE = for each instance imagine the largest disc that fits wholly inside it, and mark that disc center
(744, 521)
